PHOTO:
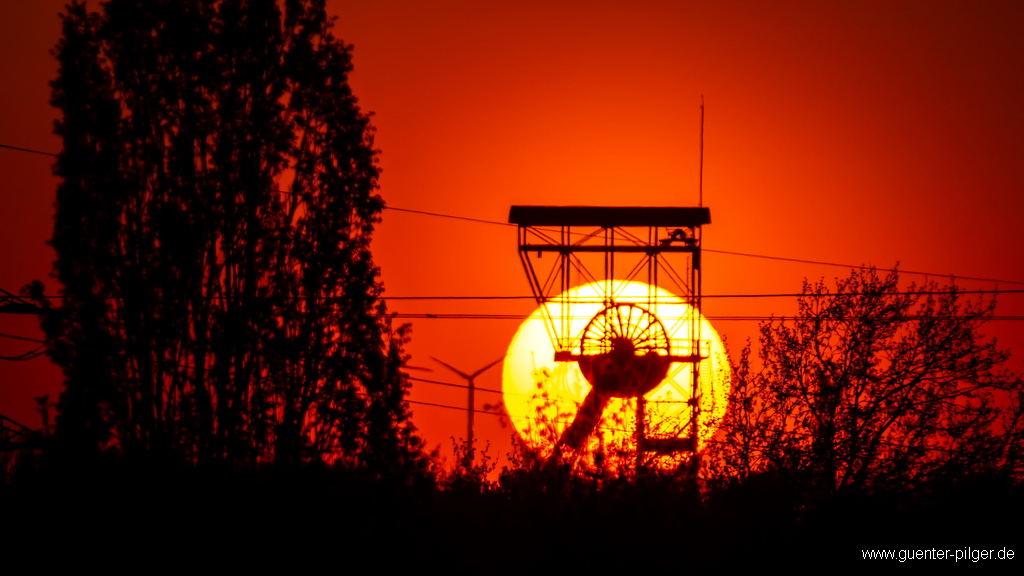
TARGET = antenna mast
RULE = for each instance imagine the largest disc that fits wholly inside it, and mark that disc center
(700, 185)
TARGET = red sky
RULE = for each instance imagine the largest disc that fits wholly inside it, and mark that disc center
(863, 133)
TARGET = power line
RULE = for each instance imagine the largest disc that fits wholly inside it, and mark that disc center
(521, 317)
(29, 150)
(766, 295)
(31, 354)
(463, 386)
(501, 415)
(862, 267)
(554, 300)
(38, 352)
(13, 337)
(463, 408)
(441, 316)
(744, 254)
(727, 252)
(836, 294)
(449, 216)
(459, 297)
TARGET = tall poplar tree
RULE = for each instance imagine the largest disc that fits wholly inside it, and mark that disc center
(218, 194)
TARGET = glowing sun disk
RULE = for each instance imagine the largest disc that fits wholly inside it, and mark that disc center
(543, 396)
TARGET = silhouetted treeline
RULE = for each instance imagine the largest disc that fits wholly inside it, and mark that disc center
(873, 387)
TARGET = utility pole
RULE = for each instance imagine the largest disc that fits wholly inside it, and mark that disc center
(470, 379)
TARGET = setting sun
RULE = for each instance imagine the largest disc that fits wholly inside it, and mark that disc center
(544, 396)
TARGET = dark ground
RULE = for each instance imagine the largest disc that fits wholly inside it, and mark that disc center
(115, 512)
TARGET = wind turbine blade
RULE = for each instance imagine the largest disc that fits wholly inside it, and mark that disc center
(484, 369)
(423, 368)
(452, 368)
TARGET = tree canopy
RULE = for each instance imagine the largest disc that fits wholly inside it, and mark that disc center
(873, 387)
(217, 199)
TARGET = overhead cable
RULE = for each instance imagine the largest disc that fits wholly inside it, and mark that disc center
(744, 254)
(710, 250)
(29, 150)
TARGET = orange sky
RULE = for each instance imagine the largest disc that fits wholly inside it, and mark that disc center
(870, 133)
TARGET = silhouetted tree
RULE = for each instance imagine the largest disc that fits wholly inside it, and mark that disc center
(871, 387)
(213, 229)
